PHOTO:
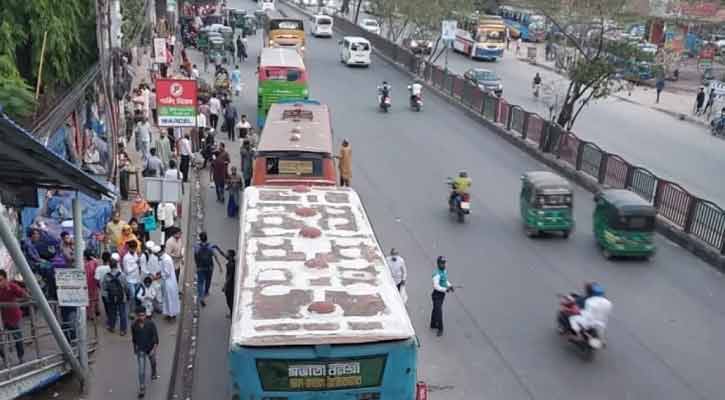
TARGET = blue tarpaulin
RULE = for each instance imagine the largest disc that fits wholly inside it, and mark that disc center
(96, 213)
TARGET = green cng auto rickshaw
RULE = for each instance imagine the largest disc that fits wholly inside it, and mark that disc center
(216, 46)
(236, 18)
(546, 202)
(624, 224)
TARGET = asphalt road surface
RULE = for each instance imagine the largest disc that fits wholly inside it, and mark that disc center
(500, 343)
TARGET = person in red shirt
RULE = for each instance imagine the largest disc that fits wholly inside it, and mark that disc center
(90, 265)
(11, 292)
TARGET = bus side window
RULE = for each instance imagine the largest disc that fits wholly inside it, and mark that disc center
(272, 166)
(293, 75)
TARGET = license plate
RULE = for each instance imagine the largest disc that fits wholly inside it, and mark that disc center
(465, 205)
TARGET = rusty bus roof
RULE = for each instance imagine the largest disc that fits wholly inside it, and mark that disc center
(297, 127)
(311, 272)
(281, 57)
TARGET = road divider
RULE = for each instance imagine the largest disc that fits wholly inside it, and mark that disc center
(694, 223)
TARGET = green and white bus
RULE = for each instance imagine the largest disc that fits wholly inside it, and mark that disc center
(282, 76)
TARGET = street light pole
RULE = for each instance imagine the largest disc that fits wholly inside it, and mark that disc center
(79, 247)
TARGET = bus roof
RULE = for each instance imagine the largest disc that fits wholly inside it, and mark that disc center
(281, 57)
(296, 288)
(297, 127)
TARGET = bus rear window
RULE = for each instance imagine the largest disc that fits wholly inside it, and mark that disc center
(324, 21)
(283, 74)
(286, 24)
(294, 166)
(635, 223)
(309, 375)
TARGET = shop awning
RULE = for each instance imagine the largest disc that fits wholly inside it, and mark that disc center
(25, 163)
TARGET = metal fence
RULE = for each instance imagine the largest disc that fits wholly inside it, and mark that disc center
(701, 218)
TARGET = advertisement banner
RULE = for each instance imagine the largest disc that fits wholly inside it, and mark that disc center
(160, 50)
(176, 101)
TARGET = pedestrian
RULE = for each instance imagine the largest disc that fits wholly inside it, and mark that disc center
(230, 120)
(660, 85)
(246, 155)
(215, 108)
(98, 275)
(153, 106)
(132, 270)
(244, 127)
(114, 290)
(345, 163)
(236, 79)
(145, 338)
(699, 101)
(185, 155)
(172, 173)
(201, 120)
(125, 167)
(194, 72)
(172, 43)
(127, 235)
(234, 186)
(11, 293)
(146, 296)
(398, 270)
(163, 148)
(547, 51)
(205, 56)
(441, 286)
(710, 101)
(170, 306)
(113, 231)
(167, 214)
(154, 166)
(204, 259)
(229, 283)
(518, 45)
(219, 176)
(90, 265)
(239, 48)
(143, 137)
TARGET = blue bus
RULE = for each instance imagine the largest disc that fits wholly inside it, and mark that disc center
(524, 23)
(316, 314)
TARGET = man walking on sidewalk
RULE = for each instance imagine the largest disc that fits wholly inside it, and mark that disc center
(145, 338)
(659, 86)
(204, 258)
(215, 108)
(114, 290)
(397, 267)
(699, 101)
(230, 121)
(441, 286)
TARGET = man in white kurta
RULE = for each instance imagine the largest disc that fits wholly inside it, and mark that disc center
(170, 305)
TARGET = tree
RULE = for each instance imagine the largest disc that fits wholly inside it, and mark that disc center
(69, 52)
(594, 62)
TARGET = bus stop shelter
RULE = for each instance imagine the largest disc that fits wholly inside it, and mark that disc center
(26, 165)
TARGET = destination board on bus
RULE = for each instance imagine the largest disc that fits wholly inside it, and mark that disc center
(295, 167)
(305, 375)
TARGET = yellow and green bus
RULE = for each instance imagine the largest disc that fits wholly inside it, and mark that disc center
(282, 77)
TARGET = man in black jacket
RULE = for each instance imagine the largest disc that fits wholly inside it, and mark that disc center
(145, 342)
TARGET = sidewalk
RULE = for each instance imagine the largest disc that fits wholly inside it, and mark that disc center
(676, 103)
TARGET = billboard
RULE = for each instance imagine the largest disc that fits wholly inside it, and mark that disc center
(176, 102)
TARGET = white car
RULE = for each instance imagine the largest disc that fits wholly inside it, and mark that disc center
(331, 7)
(322, 26)
(355, 50)
(370, 25)
(268, 5)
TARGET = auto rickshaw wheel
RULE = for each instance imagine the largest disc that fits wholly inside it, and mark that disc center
(566, 234)
(606, 254)
(530, 232)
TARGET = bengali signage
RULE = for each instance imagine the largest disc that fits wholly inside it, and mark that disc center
(72, 287)
(309, 375)
(295, 167)
(176, 102)
(448, 30)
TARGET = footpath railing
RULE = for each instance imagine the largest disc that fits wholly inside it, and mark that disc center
(687, 213)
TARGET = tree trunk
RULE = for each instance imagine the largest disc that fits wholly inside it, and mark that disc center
(567, 110)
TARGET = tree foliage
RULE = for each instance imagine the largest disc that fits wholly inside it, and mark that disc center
(595, 63)
(70, 49)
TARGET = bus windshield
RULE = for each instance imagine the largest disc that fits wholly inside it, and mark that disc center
(287, 24)
(491, 36)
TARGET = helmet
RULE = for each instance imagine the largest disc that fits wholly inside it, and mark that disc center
(594, 289)
(385, 82)
(393, 252)
(463, 174)
(440, 260)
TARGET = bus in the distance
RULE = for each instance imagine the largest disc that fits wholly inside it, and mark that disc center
(316, 312)
(281, 76)
(526, 24)
(481, 37)
(295, 147)
(285, 32)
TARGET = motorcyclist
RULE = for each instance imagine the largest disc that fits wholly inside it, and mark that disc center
(459, 186)
(594, 313)
(416, 89)
(383, 91)
(536, 84)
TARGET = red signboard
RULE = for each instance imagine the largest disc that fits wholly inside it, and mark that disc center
(699, 9)
(176, 101)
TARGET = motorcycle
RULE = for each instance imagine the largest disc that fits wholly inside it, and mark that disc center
(385, 102)
(459, 204)
(416, 102)
(589, 340)
(537, 89)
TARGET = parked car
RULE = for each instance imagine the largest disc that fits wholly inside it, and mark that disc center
(485, 79)
(370, 25)
(331, 7)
